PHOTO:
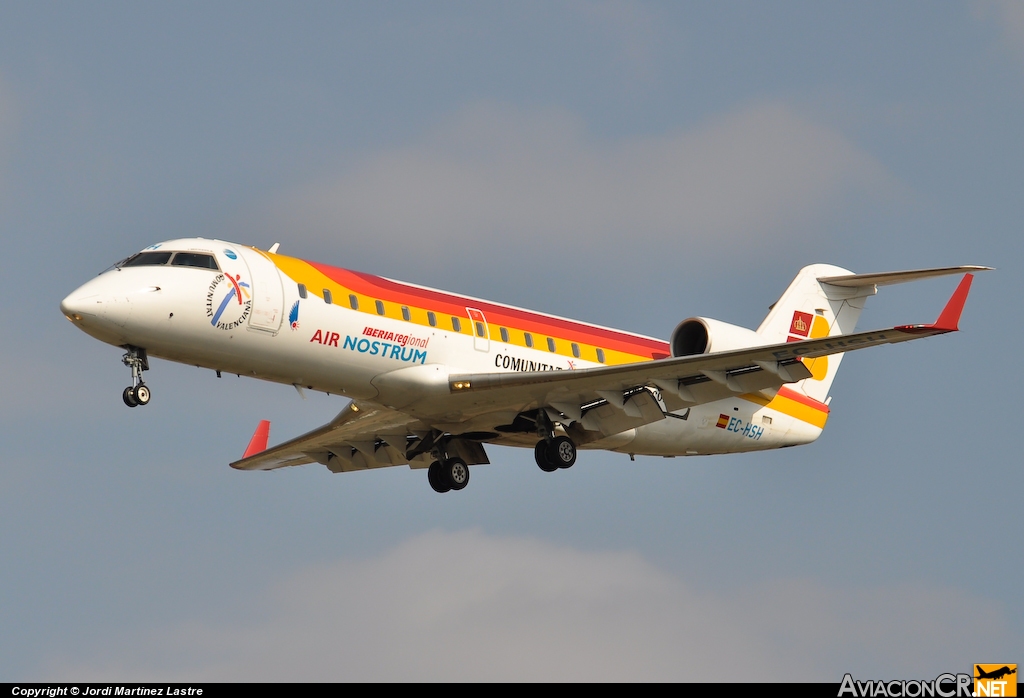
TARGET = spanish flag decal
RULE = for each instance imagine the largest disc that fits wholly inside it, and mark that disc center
(723, 421)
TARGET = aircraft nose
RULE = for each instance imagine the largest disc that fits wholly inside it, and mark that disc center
(78, 305)
(91, 304)
(74, 306)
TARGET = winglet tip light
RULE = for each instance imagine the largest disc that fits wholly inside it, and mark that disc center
(258, 442)
(949, 318)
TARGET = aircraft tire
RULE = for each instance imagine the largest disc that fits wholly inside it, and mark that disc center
(542, 456)
(562, 451)
(436, 478)
(141, 394)
(456, 472)
(129, 397)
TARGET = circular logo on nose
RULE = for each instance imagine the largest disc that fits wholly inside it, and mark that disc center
(230, 254)
(228, 301)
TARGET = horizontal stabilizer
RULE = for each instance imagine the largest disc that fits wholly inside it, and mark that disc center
(887, 278)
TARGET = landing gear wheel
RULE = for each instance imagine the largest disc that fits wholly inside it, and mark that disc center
(137, 393)
(540, 454)
(562, 451)
(456, 472)
(141, 394)
(436, 478)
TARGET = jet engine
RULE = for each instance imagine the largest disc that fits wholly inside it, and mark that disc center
(702, 335)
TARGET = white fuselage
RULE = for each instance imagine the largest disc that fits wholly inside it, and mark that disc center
(195, 316)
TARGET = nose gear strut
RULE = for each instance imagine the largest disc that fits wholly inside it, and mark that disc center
(138, 392)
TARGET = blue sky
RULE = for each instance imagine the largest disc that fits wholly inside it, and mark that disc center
(630, 164)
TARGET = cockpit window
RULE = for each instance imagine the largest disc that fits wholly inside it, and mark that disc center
(194, 259)
(147, 259)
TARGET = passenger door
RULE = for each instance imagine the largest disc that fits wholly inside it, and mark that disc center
(267, 293)
(481, 333)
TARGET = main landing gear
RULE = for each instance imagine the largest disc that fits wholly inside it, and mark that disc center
(448, 474)
(552, 452)
(559, 452)
(138, 392)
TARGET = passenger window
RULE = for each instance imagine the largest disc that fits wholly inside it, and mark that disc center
(192, 259)
(353, 302)
(456, 325)
(479, 329)
(327, 297)
(600, 355)
(576, 350)
(147, 259)
(380, 307)
(405, 313)
(302, 290)
(431, 318)
(551, 344)
(504, 335)
(529, 339)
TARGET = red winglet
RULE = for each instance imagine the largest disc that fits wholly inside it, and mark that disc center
(949, 318)
(258, 442)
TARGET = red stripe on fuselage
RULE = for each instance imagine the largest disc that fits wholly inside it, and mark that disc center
(449, 303)
(803, 399)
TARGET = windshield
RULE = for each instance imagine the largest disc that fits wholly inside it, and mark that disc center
(181, 259)
(192, 259)
(146, 259)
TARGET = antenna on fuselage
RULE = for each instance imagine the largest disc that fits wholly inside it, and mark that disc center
(273, 248)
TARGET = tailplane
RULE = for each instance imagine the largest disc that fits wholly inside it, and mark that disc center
(825, 301)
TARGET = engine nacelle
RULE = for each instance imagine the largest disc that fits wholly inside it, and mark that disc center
(702, 335)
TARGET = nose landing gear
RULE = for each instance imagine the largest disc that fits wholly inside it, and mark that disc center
(138, 392)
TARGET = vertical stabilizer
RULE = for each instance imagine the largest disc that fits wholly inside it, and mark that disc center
(810, 309)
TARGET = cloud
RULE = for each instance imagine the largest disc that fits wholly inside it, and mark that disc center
(537, 185)
(469, 606)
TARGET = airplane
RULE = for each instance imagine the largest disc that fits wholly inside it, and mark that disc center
(433, 377)
(995, 674)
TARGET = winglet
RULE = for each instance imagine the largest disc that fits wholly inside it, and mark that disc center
(258, 442)
(949, 318)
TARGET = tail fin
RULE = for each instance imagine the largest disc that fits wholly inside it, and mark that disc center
(807, 310)
(825, 301)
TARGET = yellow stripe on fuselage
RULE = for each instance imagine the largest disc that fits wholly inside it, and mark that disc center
(792, 407)
(316, 282)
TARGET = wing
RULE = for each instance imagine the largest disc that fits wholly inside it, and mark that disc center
(360, 437)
